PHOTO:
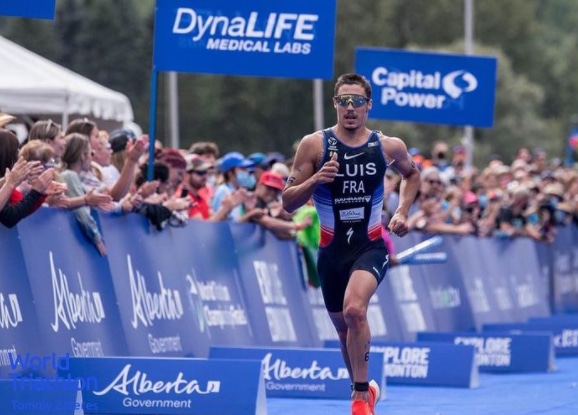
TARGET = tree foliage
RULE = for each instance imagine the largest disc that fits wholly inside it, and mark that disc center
(534, 41)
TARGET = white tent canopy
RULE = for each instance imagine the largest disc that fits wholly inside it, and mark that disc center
(31, 84)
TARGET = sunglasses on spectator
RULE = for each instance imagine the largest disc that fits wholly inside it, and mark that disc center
(49, 164)
(200, 172)
(429, 197)
(355, 100)
(432, 181)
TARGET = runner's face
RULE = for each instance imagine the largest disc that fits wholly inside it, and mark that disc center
(349, 116)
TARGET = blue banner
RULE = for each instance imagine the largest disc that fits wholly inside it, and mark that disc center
(496, 352)
(410, 293)
(35, 9)
(564, 333)
(36, 397)
(382, 314)
(565, 271)
(303, 373)
(284, 38)
(18, 322)
(476, 270)
(445, 284)
(213, 274)
(517, 287)
(324, 327)
(428, 364)
(72, 287)
(273, 287)
(497, 276)
(157, 312)
(169, 386)
(429, 87)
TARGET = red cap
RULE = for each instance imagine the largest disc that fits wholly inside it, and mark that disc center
(273, 180)
(470, 197)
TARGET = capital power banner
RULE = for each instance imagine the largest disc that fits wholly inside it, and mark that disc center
(39, 9)
(434, 88)
(283, 38)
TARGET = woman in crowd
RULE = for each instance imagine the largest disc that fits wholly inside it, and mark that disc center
(50, 133)
(14, 171)
(77, 158)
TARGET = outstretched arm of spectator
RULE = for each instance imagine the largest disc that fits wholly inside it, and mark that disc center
(282, 229)
(12, 179)
(229, 202)
(134, 150)
(10, 215)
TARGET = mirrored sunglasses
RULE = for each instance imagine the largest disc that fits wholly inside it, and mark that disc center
(355, 100)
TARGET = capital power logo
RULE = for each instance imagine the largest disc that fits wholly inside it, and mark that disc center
(419, 89)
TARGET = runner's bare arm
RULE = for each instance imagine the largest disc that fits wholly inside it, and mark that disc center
(399, 159)
(302, 181)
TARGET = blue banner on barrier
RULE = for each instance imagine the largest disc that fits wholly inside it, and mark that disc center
(475, 271)
(565, 271)
(429, 87)
(35, 396)
(324, 327)
(497, 279)
(545, 258)
(273, 287)
(36, 9)
(496, 352)
(158, 314)
(525, 278)
(213, 273)
(72, 287)
(303, 373)
(168, 386)
(564, 334)
(18, 322)
(293, 39)
(428, 364)
(445, 285)
(382, 315)
(412, 301)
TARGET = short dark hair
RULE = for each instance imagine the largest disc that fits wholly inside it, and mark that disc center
(204, 147)
(353, 79)
(160, 173)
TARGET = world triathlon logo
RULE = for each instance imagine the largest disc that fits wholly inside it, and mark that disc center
(417, 89)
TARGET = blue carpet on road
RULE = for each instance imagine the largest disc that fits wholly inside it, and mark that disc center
(554, 393)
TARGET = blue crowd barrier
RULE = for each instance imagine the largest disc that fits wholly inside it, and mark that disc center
(179, 291)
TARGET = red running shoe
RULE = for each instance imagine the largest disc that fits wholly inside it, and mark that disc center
(360, 407)
(373, 396)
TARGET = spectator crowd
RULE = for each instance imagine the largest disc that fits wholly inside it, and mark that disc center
(82, 167)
